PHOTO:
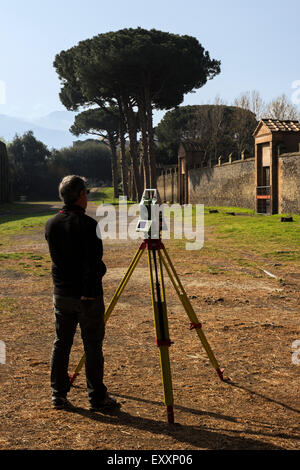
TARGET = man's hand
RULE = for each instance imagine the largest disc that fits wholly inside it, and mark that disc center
(87, 298)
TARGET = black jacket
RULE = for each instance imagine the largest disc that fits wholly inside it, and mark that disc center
(76, 253)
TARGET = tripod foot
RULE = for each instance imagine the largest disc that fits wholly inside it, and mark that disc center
(170, 413)
(220, 373)
(72, 378)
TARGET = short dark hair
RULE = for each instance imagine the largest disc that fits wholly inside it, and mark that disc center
(70, 187)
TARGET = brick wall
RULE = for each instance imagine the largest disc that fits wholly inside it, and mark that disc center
(228, 184)
(233, 184)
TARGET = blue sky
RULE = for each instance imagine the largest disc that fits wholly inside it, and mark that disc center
(257, 43)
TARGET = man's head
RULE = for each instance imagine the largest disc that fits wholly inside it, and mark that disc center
(72, 190)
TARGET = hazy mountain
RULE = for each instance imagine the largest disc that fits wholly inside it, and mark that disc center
(51, 129)
(58, 120)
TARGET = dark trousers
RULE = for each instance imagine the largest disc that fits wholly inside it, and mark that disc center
(90, 316)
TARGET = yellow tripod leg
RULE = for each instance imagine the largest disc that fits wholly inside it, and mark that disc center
(123, 283)
(113, 302)
(80, 364)
(162, 338)
(195, 324)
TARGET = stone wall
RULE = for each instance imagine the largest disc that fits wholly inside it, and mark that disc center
(227, 184)
(289, 183)
(233, 184)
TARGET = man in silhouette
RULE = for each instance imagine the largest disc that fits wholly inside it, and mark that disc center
(77, 271)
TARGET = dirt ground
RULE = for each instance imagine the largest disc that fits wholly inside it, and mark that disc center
(250, 322)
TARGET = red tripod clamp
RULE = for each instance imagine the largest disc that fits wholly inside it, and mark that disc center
(72, 377)
(195, 325)
(152, 244)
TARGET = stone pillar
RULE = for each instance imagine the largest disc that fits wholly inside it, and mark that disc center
(274, 178)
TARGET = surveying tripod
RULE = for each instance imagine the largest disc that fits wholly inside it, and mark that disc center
(157, 259)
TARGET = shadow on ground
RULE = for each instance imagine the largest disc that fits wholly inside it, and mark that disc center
(19, 211)
(203, 438)
(193, 435)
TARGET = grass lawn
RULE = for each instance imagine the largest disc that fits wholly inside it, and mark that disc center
(105, 196)
(246, 239)
(265, 235)
(15, 218)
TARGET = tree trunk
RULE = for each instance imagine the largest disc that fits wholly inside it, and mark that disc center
(142, 173)
(124, 166)
(151, 146)
(129, 184)
(131, 127)
(114, 166)
(144, 132)
(133, 185)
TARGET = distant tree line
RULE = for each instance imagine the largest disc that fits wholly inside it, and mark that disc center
(36, 171)
(279, 108)
(219, 130)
